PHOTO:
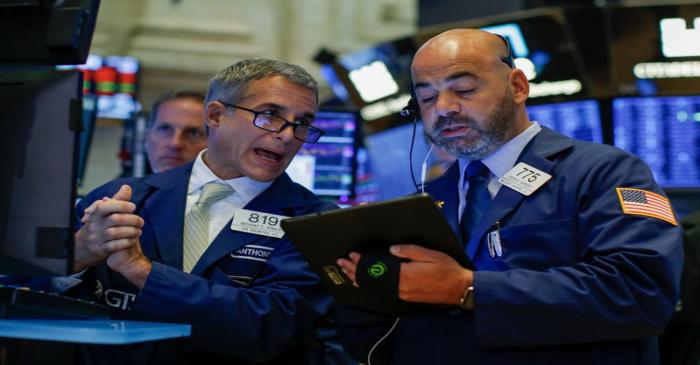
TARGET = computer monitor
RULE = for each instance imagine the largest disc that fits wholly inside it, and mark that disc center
(36, 32)
(665, 133)
(89, 121)
(116, 83)
(376, 80)
(577, 119)
(39, 111)
(542, 46)
(655, 48)
(112, 82)
(388, 156)
(328, 167)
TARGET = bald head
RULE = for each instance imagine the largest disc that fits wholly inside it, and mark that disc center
(473, 46)
(471, 100)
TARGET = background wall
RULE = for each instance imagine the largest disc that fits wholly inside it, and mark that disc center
(182, 43)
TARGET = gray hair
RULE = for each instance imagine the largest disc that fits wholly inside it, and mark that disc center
(230, 84)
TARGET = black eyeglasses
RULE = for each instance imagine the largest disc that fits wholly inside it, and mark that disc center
(275, 123)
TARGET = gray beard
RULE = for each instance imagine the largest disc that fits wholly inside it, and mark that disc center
(480, 148)
(499, 123)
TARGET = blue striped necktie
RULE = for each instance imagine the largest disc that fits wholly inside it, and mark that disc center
(477, 199)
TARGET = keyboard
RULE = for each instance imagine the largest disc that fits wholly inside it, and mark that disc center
(20, 302)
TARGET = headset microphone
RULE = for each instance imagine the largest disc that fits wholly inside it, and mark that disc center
(411, 109)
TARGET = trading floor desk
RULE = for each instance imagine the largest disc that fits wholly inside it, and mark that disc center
(30, 334)
(102, 332)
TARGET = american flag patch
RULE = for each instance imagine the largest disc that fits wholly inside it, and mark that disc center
(646, 203)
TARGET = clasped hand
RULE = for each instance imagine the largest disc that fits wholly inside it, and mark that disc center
(110, 233)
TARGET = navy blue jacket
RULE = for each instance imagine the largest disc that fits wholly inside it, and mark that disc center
(578, 282)
(271, 308)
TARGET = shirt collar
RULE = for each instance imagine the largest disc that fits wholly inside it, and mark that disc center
(201, 175)
(503, 159)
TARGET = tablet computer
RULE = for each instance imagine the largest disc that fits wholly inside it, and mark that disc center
(324, 237)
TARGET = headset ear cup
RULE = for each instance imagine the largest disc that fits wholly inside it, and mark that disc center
(413, 104)
(508, 59)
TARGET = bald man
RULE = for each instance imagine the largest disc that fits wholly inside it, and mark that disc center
(576, 250)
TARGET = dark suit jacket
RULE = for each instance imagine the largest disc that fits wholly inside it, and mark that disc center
(578, 282)
(243, 306)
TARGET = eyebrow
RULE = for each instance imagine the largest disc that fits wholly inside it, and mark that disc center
(452, 77)
(310, 116)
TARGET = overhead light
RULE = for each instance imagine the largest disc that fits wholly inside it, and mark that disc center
(373, 81)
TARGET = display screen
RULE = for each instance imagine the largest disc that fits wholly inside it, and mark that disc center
(388, 154)
(46, 32)
(656, 49)
(37, 186)
(665, 133)
(544, 52)
(113, 83)
(576, 119)
(542, 47)
(328, 167)
(377, 80)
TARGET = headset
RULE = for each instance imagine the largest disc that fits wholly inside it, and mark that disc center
(508, 59)
(412, 110)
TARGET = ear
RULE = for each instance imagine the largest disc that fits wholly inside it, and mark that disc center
(519, 85)
(213, 113)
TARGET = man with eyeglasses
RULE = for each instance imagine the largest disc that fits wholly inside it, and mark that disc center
(176, 132)
(201, 243)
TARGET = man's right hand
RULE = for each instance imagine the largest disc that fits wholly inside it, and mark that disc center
(109, 225)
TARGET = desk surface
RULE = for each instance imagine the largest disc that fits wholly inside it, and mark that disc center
(105, 332)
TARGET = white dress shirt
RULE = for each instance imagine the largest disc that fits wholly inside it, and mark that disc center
(499, 162)
(245, 189)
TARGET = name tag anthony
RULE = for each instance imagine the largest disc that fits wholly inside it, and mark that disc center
(253, 252)
(260, 223)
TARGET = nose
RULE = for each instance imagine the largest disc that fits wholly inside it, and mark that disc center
(286, 134)
(447, 103)
(177, 140)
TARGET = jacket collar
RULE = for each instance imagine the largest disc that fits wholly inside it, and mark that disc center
(281, 198)
(165, 209)
(539, 153)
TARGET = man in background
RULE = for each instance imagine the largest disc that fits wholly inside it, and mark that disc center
(176, 131)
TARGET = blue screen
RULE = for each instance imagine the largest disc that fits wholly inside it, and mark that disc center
(388, 153)
(576, 119)
(328, 166)
(665, 133)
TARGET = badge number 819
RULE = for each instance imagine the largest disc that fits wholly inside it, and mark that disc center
(264, 219)
(258, 223)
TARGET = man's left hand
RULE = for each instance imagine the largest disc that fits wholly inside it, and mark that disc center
(429, 277)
